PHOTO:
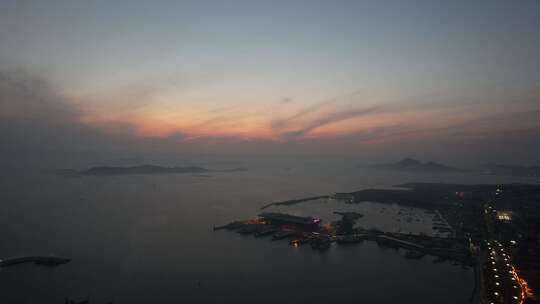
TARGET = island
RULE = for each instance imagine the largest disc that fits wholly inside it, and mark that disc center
(143, 169)
(413, 165)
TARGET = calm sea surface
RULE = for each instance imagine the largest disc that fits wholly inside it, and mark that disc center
(149, 239)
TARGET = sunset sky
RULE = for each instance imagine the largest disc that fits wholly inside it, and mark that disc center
(278, 76)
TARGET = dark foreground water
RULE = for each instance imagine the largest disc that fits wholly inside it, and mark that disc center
(149, 239)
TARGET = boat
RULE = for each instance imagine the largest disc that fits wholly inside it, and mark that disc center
(297, 242)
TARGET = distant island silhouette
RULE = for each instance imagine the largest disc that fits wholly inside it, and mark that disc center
(143, 169)
(410, 164)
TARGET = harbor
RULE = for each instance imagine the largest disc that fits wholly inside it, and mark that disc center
(469, 225)
(301, 231)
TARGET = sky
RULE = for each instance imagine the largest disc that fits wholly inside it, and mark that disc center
(438, 80)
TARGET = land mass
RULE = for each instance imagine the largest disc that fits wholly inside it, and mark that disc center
(144, 169)
(432, 195)
(489, 227)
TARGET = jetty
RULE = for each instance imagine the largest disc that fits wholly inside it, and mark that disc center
(295, 201)
(40, 260)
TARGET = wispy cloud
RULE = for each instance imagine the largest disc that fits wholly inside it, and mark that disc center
(479, 129)
(221, 109)
(36, 118)
(329, 118)
(285, 122)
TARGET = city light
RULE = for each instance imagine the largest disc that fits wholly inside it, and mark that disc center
(503, 216)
